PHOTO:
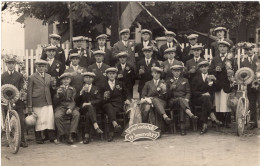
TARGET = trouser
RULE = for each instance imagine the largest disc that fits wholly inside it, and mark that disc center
(252, 97)
(49, 133)
(182, 104)
(111, 111)
(159, 105)
(206, 107)
(59, 120)
(90, 113)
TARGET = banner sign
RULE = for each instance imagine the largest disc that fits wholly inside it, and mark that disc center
(141, 131)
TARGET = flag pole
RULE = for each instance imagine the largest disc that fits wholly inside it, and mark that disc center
(158, 22)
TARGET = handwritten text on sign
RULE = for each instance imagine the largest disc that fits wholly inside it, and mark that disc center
(141, 130)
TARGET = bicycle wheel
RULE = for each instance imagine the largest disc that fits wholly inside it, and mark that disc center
(13, 131)
(240, 116)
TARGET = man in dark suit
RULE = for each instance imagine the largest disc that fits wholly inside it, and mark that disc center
(144, 67)
(192, 64)
(202, 94)
(125, 45)
(178, 94)
(170, 44)
(99, 69)
(13, 77)
(90, 98)
(108, 59)
(60, 55)
(126, 72)
(169, 54)
(220, 32)
(85, 59)
(76, 70)
(146, 41)
(115, 94)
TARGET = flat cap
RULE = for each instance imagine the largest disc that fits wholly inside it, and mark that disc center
(67, 74)
(124, 31)
(205, 62)
(122, 54)
(176, 67)
(111, 69)
(50, 48)
(157, 69)
(192, 36)
(102, 36)
(170, 33)
(196, 46)
(146, 31)
(74, 55)
(220, 29)
(225, 43)
(10, 58)
(173, 49)
(55, 36)
(78, 38)
(91, 74)
(147, 48)
(40, 61)
(99, 52)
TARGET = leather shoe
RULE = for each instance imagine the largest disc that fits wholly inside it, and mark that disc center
(168, 120)
(117, 128)
(70, 140)
(110, 138)
(24, 144)
(86, 140)
(40, 142)
(183, 132)
(99, 131)
(203, 131)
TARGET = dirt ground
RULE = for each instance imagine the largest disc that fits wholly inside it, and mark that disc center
(215, 148)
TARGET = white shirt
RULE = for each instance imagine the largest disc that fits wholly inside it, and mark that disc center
(125, 42)
(123, 66)
(175, 78)
(111, 84)
(50, 61)
(10, 72)
(99, 65)
(204, 76)
(75, 68)
(250, 59)
(102, 48)
(89, 87)
(145, 43)
(170, 45)
(196, 59)
(221, 39)
(41, 74)
(147, 61)
(222, 56)
(156, 82)
(170, 61)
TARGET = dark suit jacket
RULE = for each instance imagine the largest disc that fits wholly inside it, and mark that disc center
(189, 64)
(66, 99)
(39, 90)
(118, 95)
(85, 59)
(214, 47)
(182, 88)
(119, 47)
(101, 78)
(60, 56)
(108, 58)
(52, 69)
(164, 47)
(147, 76)
(166, 66)
(138, 49)
(94, 96)
(150, 90)
(128, 75)
(186, 56)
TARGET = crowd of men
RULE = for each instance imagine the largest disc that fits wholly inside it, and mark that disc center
(102, 83)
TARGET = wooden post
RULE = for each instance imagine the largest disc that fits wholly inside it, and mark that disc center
(27, 61)
(71, 24)
(206, 54)
(31, 57)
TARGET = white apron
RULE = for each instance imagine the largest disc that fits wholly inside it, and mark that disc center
(221, 99)
(45, 118)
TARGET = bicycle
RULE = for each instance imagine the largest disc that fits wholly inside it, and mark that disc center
(10, 121)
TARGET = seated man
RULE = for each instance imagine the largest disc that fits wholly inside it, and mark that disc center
(179, 94)
(203, 87)
(64, 99)
(156, 91)
(114, 96)
(90, 97)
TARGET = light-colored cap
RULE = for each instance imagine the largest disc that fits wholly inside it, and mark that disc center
(147, 48)
(203, 63)
(78, 38)
(99, 52)
(40, 61)
(170, 33)
(146, 31)
(111, 69)
(192, 36)
(124, 31)
(173, 49)
(55, 36)
(91, 74)
(102, 36)
(157, 69)
(74, 55)
(176, 67)
(67, 74)
(122, 54)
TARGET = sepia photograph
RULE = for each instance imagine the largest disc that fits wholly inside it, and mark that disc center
(128, 83)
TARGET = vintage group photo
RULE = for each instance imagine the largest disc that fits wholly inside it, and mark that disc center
(130, 83)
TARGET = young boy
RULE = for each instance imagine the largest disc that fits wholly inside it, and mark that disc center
(90, 97)
(64, 99)
(13, 77)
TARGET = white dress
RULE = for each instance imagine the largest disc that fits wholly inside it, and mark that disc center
(221, 99)
(45, 118)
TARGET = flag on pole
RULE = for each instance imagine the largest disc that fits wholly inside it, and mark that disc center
(123, 15)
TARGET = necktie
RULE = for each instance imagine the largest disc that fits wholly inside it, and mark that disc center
(169, 45)
(11, 73)
(196, 60)
(112, 86)
(147, 62)
(156, 82)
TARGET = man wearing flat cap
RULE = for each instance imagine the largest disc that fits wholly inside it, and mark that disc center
(170, 44)
(220, 32)
(85, 59)
(59, 52)
(125, 45)
(146, 40)
(101, 39)
(144, 67)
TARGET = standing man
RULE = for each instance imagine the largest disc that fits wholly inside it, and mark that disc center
(125, 45)
(108, 59)
(13, 77)
(60, 55)
(144, 67)
(146, 41)
(126, 72)
(220, 32)
(85, 59)
(170, 44)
